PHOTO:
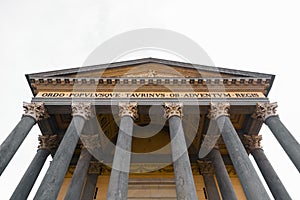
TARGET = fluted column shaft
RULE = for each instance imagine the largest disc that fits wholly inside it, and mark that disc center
(185, 186)
(222, 176)
(267, 112)
(275, 185)
(33, 113)
(250, 181)
(206, 170)
(48, 143)
(118, 183)
(54, 177)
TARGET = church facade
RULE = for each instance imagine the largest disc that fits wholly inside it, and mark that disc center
(150, 129)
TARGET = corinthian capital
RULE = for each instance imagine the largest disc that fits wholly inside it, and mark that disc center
(95, 167)
(218, 109)
(265, 110)
(82, 109)
(35, 110)
(129, 109)
(252, 142)
(205, 167)
(49, 142)
(173, 109)
(90, 141)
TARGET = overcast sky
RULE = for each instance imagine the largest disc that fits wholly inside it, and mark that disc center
(259, 36)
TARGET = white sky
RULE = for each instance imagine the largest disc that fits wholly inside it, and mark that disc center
(37, 36)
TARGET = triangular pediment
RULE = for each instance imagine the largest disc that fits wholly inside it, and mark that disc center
(148, 71)
(149, 67)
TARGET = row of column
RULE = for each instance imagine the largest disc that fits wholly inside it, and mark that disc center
(118, 184)
(250, 182)
(185, 187)
(214, 165)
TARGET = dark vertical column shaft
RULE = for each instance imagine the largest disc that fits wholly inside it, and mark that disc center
(118, 183)
(94, 171)
(77, 182)
(48, 143)
(210, 184)
(89, 188)
(250, 181)
(33, 113)
(267, 111)
(206, 170)
(224, 182)
(53, 179)
(185, 186)
(275, 185)
(285, 138)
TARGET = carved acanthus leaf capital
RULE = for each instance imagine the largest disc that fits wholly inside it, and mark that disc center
(173, 109)
(252, 142)
(35, 110)
(205, 167)
(82, 109)
(265, 110)
(95, 167)
(49, 142)
(90, 141)
(128, 109)
(218, 109)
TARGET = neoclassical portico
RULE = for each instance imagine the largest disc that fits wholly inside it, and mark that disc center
(150, 128)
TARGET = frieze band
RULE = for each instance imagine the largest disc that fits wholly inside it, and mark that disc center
(141, 95)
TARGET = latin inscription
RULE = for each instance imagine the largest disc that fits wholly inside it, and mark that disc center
(151, 95)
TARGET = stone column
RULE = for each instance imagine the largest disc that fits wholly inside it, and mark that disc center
(252, 144)
(118, 183)
(207, 171)
(250, 181)
(222, 176)
(77, 182)
(33, 113)
(91, 181)
(267, 112)
(54, 177)
(48, 144)
(185, 186)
